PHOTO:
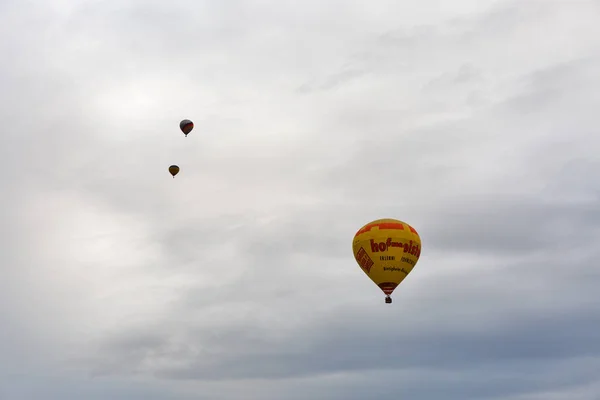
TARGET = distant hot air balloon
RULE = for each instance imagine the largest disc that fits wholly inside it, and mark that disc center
(174, 170)
(186, 126)
(387, 250)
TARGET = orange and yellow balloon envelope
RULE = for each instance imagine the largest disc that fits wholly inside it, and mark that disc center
(387, 250)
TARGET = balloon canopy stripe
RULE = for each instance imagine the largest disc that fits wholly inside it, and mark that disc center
(385, 225)
(387, 287)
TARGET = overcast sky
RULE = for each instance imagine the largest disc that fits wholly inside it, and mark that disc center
(475, 121)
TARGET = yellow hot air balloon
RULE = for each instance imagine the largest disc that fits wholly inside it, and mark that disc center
(387, 250)
(174, 170)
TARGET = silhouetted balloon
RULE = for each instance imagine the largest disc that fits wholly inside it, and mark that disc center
(186, 126)
(174, 170)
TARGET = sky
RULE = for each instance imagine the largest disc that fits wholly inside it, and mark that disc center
(474, 121)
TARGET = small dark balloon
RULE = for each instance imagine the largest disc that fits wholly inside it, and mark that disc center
(186, 126)
(174, 170)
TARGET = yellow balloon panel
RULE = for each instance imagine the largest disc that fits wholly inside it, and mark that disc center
(387, 250)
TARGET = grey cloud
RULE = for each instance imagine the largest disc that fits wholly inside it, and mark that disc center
(465, 74)
(518, 321)
(337, 351)
(517, 225)
(548, 87)
(332, 82)
(236, 279)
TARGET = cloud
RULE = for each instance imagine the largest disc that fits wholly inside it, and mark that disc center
(475, 123)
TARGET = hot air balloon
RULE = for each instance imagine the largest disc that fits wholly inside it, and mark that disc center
(387, 250)
(174, 170)
(186, 126)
